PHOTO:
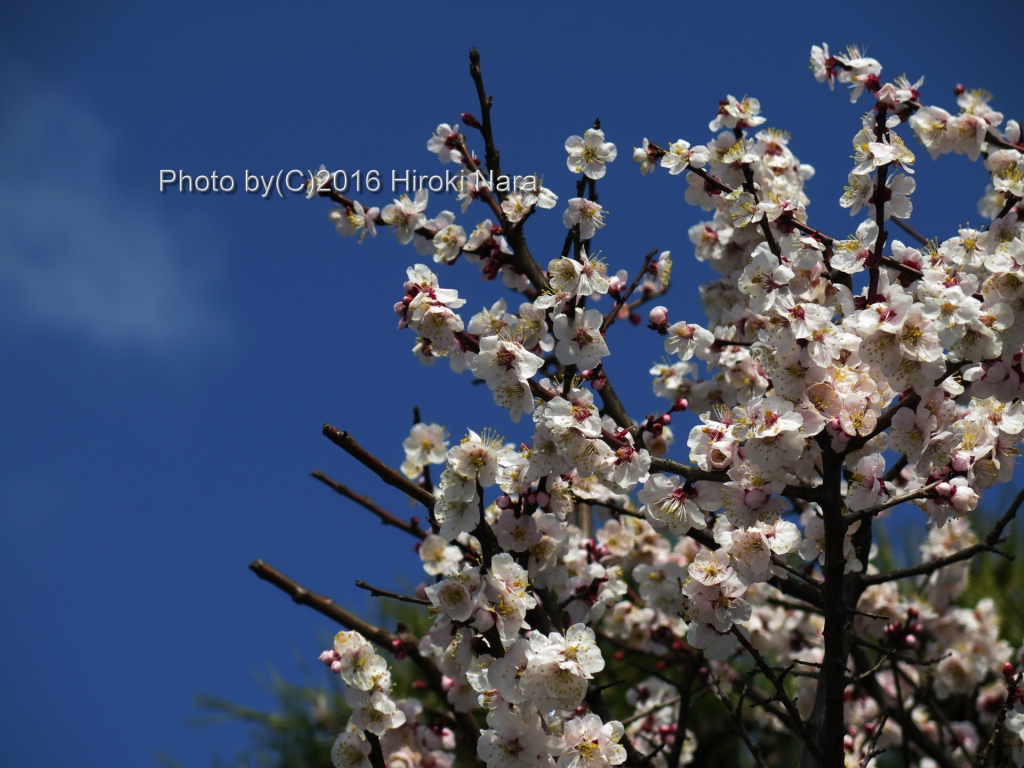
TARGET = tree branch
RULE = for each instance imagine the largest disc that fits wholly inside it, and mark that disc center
(987, 545)
(347, 443)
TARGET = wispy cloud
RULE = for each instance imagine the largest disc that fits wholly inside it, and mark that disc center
(80, 253)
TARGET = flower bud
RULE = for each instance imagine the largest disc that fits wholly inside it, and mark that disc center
(658, 316)
(470, 120)
(1008, 671)
(961, 461)
(483, 620)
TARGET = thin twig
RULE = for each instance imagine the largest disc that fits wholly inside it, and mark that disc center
(347, 443)
(1008, 702)
(803, 732)
(386, 640)
(378, 592)
(737, 719)
(987, 545)
(364, 501)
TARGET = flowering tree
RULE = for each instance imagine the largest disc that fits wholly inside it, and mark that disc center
(835, 379)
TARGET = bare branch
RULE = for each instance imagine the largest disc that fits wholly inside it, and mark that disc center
(347, 443)
(364, 501)
(378, 592)
(737, 719)
(987, 545)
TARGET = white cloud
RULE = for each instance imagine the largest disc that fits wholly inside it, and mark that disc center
(82, 254)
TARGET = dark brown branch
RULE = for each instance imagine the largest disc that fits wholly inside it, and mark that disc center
(385, 517)
(610, 317)
(491, 154)
(347, 443)
(911, 231)
(737, 718)
(895, 501)
(378, 592)
(376, 753)
(323, 605)
(906, 720)
(1011, 697)
(987, 545)
(800, 727)
(694, 474)
(381, 637)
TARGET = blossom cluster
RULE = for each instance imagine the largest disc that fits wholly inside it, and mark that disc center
(404, 740)
(835, 378)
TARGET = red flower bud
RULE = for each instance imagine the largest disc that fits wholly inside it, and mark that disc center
(470, 120)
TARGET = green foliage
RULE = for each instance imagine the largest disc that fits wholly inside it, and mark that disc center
(299, 732)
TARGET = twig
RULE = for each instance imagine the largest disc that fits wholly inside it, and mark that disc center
(614, 311)
(737, 719)
(347, 443)
(895, 501)
(871, 751)
(386, 640)
(802, 731)
(641, 715)
(385, 517)
(1011, 697)
(904, 748)
(378, 592)
(910, 231)
(906, 721)
(987, 545)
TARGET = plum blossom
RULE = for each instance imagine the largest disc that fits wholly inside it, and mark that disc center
(589, 743)
(580, 341)
(406, 216)
(586, 214)
(589, 153)
(443, 143)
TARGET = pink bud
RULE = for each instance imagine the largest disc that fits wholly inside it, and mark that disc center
(666, 419)
(336, 667)
(658, 316)
(470, 120)
(910, 641)
(543, 499)
(680, 405)
(400, 308)
(483, 620)
(504, 502)
(961, 461)
(1008, 671)
(754, 498)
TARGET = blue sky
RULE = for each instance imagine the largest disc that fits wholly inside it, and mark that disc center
(168, 359)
